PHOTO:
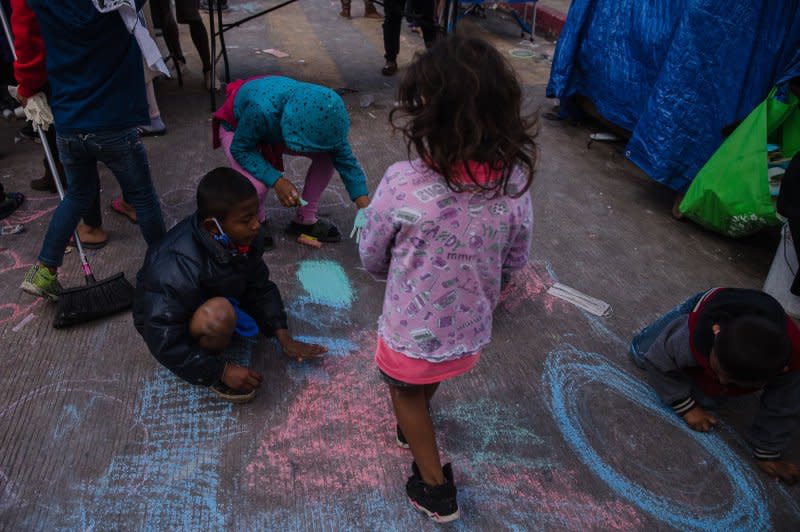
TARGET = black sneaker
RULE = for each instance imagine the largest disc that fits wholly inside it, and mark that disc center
(226, 393)
(401, 439)
(437, 502)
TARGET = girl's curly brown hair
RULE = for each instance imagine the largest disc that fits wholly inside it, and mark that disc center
(461, 102)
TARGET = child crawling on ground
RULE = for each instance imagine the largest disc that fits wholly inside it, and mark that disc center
(204, 293)
(728, 342)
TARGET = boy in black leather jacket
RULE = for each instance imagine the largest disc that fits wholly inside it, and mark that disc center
(205, 285)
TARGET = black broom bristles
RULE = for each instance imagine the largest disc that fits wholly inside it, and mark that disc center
(93, 301)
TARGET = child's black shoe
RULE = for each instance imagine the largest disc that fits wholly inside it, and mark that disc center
(226, 393)
(438, 502)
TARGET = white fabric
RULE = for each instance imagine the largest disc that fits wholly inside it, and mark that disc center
(135, 24)
(37, 110)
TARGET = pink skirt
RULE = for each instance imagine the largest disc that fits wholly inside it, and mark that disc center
(417, 371)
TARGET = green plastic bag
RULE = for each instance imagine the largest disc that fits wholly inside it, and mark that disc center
(730, 194)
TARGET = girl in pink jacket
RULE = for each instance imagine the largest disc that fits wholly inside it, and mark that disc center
(442, 230)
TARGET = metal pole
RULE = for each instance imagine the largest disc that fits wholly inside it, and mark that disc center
(7, 31)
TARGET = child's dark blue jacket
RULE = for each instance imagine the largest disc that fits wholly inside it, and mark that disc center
(183, 271)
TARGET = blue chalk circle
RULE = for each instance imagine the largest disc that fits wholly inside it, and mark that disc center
(568, 369)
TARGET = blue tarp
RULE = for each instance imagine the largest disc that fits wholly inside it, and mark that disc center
(674, 72)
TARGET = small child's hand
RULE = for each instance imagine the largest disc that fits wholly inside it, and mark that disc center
(780, 469)
(240, 378)
(287, 193)
(700, 420)
(358, 225)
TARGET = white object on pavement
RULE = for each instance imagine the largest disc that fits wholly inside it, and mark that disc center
(580, 300)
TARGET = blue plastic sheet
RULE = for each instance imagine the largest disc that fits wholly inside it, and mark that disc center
(675, 72)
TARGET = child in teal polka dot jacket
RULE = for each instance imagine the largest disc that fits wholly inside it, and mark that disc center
(267, 117)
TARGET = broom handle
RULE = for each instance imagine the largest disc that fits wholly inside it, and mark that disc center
(7, 31)
(87, 270)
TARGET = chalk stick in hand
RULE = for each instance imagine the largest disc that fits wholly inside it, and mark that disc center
(309, 241)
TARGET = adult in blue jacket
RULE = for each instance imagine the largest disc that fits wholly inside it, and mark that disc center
(94, 67)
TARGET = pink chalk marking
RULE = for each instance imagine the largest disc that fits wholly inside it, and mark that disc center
(24, 216)
(11, 312)
(14, 312)
(15, 260)
(529, 285)
(353, 414)
(560, 499)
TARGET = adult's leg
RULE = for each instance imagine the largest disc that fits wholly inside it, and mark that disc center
(200, 39)
(317, 179)
(188, 12)
(226, 138)
(212, 324)
(392, 23)
(156, 126)
(370, 11)
(45, 183)
(422, 13)
(91, 230)
(124, 154)
(164, 19)
(80, 167)
(411, 409)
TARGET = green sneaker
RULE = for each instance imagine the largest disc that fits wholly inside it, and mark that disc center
(40, 282)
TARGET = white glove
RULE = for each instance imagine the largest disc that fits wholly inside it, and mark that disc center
(37, 109)
(358, 225)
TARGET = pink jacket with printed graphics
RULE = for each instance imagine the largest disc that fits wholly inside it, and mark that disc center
(442, 254)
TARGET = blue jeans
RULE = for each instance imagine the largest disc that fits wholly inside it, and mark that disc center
(642, 342)
(124, 154)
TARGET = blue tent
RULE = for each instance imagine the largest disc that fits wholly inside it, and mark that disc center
(675, 72)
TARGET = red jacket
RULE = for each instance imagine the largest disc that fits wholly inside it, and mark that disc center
(29, 69)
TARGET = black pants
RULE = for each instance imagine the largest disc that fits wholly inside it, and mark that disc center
(420, 11)
(789, 206)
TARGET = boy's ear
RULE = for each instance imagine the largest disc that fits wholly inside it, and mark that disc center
(210, 226)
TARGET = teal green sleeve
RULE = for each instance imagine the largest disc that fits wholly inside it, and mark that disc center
(352, 174)
(246, 150)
